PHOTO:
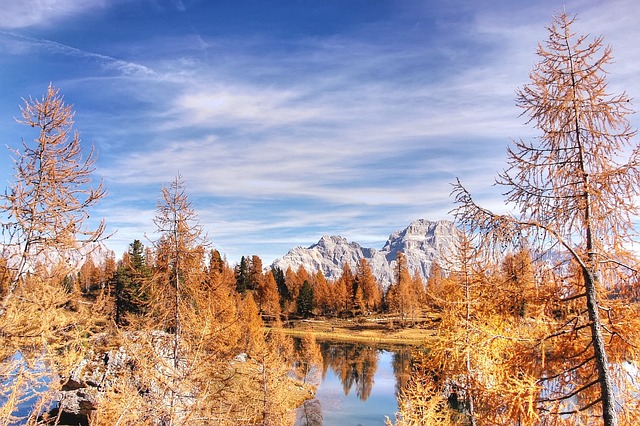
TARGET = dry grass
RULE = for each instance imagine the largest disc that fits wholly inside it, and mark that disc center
(373, 330)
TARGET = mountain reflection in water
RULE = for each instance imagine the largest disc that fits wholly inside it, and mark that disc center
(358, 386)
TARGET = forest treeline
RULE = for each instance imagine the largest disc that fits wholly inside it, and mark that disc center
(123, 286)
(279, 295)
(537, 309)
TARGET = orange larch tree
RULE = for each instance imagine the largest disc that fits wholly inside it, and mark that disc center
(269, 297)
(574, 189)
(398, 295)
(46, 206)
(366, 282)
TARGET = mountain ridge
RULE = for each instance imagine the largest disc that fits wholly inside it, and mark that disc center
(422, 242)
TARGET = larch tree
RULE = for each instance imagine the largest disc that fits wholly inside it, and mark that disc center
(418, 296)
(269, 298)
(321, 293)
(45, 216)
(217, 264)
(180, 274)
(434, 287)
(343, 289)
(366, 282)
(179, 255)
(464, 264)
(481, 369)
(87, 274)
(46, 206)
(252, 340)
(574, 188)
(293, 283)
(358, 301)
(221, 305)
(256, 275)
(519, 283)
(399, 292)
(444, 381)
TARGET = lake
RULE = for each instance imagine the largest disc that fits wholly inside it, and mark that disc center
(357, 386)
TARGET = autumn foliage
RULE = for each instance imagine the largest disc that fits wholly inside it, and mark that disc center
(535, 312)
(547, 336)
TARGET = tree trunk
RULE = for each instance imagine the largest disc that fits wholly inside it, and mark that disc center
(602, 360)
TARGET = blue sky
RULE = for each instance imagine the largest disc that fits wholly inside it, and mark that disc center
(290, 120)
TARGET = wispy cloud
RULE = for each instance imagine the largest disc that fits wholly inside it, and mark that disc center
(283, 139)
(341, 145)
(29, 45)
(32, 13)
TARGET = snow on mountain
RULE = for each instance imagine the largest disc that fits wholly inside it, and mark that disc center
(71, 258)
(422, 242)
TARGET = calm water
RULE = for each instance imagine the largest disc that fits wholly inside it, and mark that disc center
(358, 386)
(36, 379)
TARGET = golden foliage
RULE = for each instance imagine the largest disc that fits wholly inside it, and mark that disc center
(46, 204)
(574, 192)
(42, 341)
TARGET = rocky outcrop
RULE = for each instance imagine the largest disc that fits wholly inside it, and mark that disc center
(422, 242)
(84, 388)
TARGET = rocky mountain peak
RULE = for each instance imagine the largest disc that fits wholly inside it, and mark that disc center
(422, 242)
(331, 240)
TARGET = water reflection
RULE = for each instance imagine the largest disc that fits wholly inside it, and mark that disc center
(24, 381)
(402, 368)
(359, 385)
(310, 414)
(355, 365)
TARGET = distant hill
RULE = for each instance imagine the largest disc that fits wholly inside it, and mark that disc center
(422, 242)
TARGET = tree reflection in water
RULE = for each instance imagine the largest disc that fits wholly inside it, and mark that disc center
(355, 366)
(401, 368)
(309, 413)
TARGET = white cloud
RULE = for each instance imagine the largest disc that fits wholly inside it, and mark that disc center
(348, 133)
(340, 147)
(241, 106)
(34, 13)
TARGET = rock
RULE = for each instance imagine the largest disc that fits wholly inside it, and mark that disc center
(242, 357)
(78, 402)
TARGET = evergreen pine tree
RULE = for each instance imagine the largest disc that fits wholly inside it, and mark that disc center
(128, 282)
(305, 302)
